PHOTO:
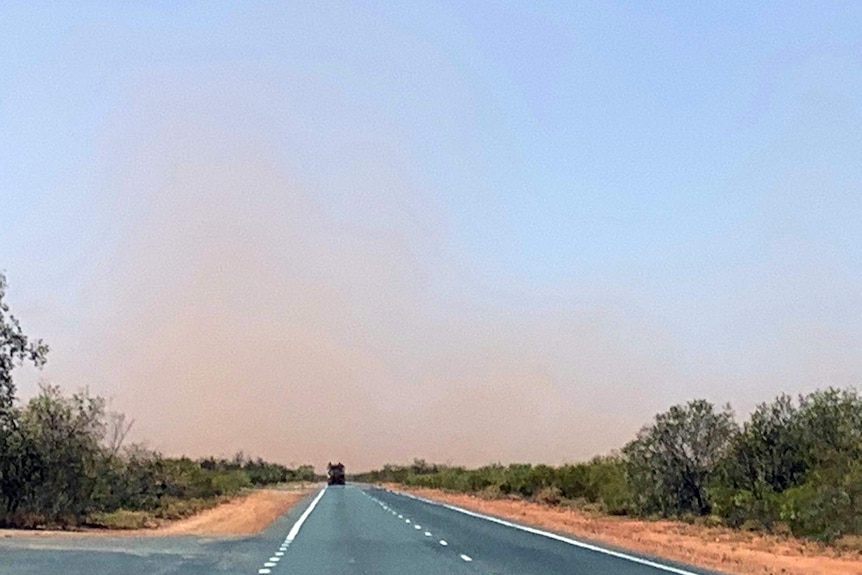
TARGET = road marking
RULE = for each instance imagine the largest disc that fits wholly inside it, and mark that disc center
(574, 542)
(443, 542)
(466, 557)
(406, 521)
(291, 535)
(400, 516)
(294, 531)
(427, 534)
(417, 527)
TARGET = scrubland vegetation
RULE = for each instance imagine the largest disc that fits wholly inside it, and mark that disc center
(63, 462)
(794, 466)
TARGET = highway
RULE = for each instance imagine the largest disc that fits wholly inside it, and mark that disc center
(352, 530)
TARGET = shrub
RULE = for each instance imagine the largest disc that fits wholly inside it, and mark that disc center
(122, 519)
(548, 495)
(231, 482)
(172, 508)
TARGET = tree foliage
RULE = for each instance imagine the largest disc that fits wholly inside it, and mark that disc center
(798, 463)
(15, 349)
(600, 482)
(671, 462)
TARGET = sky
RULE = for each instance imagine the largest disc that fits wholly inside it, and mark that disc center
(469, 232)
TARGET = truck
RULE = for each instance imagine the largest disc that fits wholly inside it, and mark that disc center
(335, 473)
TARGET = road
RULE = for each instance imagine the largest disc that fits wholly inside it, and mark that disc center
(352, 530)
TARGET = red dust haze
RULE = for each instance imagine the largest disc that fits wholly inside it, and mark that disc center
(245, 305)
(259, 286)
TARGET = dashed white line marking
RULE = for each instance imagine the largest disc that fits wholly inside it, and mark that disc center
(427, 534)
(573, 542)
(400, 516)
(406, 521)
(291, 535)
(417, 527)
(466, 557)
(443, 542)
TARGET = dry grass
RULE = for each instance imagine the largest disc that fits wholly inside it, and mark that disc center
(726, 550)
(243, 515)
(123, 519)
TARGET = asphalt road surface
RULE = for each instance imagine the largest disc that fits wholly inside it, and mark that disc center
(351, 530)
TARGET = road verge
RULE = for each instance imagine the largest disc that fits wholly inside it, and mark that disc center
(245, 514)
(726, 550)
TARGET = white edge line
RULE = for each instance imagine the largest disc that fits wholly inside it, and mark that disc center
(291, 535)
(550, 535)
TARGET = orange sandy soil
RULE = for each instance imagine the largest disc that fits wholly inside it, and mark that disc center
(244, 515)
(726, 550)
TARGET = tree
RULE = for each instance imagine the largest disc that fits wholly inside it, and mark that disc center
(64, 436)
(765, 459)
(831, 421)
(769, 454)
(671, 461)
(15, 349)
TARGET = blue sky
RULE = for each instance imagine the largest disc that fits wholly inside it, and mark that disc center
(692, 168)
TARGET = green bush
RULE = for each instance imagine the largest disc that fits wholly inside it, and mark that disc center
(827, 507)
(172, 508)
(232, 482)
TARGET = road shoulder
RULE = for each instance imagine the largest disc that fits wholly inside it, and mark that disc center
(247, 514)
(725, 550)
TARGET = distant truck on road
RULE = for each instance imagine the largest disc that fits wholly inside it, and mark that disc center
(335, 473)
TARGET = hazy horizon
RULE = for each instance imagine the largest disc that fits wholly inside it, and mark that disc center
(368, 234)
